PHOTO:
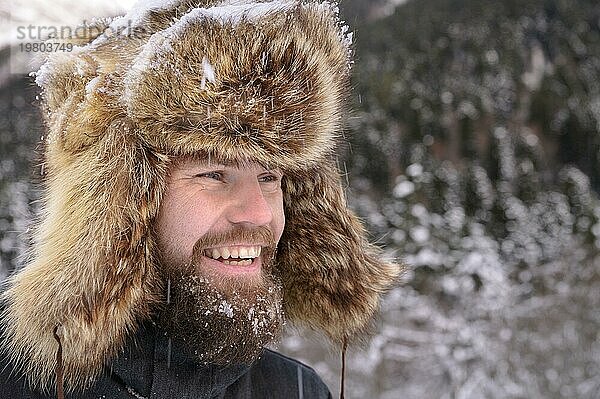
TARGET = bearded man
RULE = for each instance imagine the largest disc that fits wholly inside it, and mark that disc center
(191, 204)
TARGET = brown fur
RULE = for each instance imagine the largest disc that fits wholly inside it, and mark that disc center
(278, 98)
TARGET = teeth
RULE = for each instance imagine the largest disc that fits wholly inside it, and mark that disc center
(225, 253)
(245, 262)
(249, 252)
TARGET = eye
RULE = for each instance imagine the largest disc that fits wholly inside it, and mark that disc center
(270, 181)
(214, 175)
(268, 178)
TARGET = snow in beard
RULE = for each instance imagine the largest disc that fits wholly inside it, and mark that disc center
(225, 326)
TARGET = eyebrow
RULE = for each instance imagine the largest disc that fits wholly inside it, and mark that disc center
(204, 160)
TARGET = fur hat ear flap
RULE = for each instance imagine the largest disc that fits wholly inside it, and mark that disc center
(333, 278)
(92, 271)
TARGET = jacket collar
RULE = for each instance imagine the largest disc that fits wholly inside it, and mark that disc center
(152, 365)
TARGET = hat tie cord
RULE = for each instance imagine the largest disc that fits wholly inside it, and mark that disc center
(344, 347)
(59, 371)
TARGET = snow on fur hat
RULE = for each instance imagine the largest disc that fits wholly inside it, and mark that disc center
(251, 81)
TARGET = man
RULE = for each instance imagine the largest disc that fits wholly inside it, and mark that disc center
(191, 201)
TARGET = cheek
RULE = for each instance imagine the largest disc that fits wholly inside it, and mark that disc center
(176, 231)
(167, 232)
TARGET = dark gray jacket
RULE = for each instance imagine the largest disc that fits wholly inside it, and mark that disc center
(143, 370)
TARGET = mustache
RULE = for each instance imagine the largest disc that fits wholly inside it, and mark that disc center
(262, 236)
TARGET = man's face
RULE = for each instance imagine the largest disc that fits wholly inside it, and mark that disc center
(217, 231)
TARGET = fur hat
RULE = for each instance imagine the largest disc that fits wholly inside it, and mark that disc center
(247, 81)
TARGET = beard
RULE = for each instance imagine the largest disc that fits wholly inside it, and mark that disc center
(218, 318)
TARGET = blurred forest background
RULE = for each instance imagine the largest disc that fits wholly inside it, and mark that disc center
(475, 158)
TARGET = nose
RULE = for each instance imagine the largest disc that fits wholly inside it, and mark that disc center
(249, 205)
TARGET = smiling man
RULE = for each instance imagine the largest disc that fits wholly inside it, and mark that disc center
(217, 231)
(191, 205)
